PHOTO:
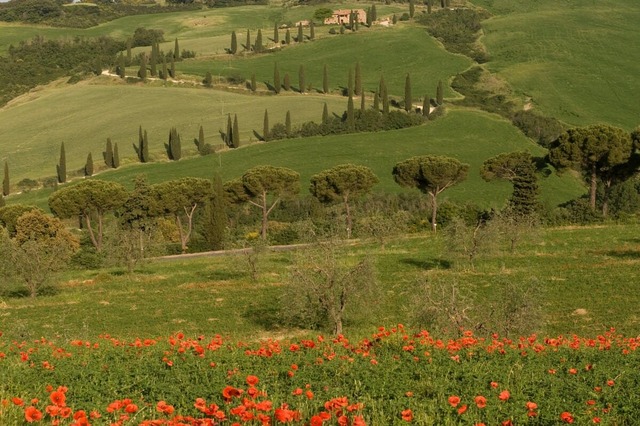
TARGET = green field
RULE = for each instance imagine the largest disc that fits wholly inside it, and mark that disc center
(592, 269)
(482, 137)
(577, 61)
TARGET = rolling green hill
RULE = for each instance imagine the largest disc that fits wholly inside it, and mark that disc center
(577, 61)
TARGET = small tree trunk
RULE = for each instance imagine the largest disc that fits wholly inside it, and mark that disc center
(183, 246)
(594, 186)
(265, 213)
(95, 243)
(434, 211)
(347, 210)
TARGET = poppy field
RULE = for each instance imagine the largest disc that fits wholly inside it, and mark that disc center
(395, 376)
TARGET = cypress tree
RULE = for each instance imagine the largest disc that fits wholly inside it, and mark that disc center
(234, 43)
(312, 31)
(439, 93)
(384, 95)
(265, 126)
(369, 20)
(287, 37)
(376, 101)
(236, 132)
(129, 42)
(228, 137)
(429, 6)
(172, 72)
(254, 84)
(176, 50)
(325, 79)
(140, 145)
(116, 156)
(208, 79)
(2, 202)
(351, 122)
(342, 29)
(108, 154)
(276, 78)
(247, 46)
(258, 45)
(174, 150)
(88, 166)
(62, 166)
(325, 114)
(287, 123)
(276, 34)
(6, 189)
(145, 148)
(358, 82)
(121, 69)
(142, 72)
(301, 79)
(286, 82)
(300, 34)
(362, 101)
(426, 107)
(215, 216)
(374, 13)
(408, 101)
(394, 19)
(351, 21)
(350, 83)
(412, 9)
(442, 4)
(164, 68)
(201, 141)
(153, 61)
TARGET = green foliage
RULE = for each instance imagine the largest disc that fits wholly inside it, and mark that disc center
(431, 175)
(88, 166)
(41, 246)
(343, 183)
(235, 135)
(234, 43)
(9, 216)
(146, 37)
(6, 187)
(179, 199)
(258, 44)
(408, 101)
(107, 155)
(61, 168)
(322, 13)
(598, 152)
(265, 126)
(458, 30)
(301, 79)
(215, 222)
(519, 169)
(88, 199)
(174, 146)
(276, 79)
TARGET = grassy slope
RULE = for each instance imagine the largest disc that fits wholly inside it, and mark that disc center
(215, 295)
(576, 60)
(481, 137)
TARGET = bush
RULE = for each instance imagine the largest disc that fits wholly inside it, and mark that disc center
(543, 130)
(147, 37)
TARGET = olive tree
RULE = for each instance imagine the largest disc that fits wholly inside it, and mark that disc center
(91, 198)
(343, 182)
(41, 246)
(431, 175)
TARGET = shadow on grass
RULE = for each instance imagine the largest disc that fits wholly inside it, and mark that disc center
(428, 264)
(23, 293)
(624, 254)
(267, 316)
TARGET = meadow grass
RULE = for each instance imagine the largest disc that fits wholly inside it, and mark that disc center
(482, 136)
(577, 62)
(587, 278)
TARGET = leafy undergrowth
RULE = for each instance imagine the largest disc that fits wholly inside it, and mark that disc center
(393, 377)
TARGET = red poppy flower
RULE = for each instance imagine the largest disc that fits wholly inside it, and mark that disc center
(17, 401)
(58, 398)
(530, 406)
(32, 414)
(407, 415)
(481, 401)
(252, 380)
(504, 395)
(454, 400)
(566, 417)
(131, 408)
(462, 409)
(230, 392)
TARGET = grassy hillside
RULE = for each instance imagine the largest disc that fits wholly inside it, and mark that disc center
(582, 290)
(577, 61)
(482, 136)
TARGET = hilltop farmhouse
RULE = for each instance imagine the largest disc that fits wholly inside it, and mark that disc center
(341, 16)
